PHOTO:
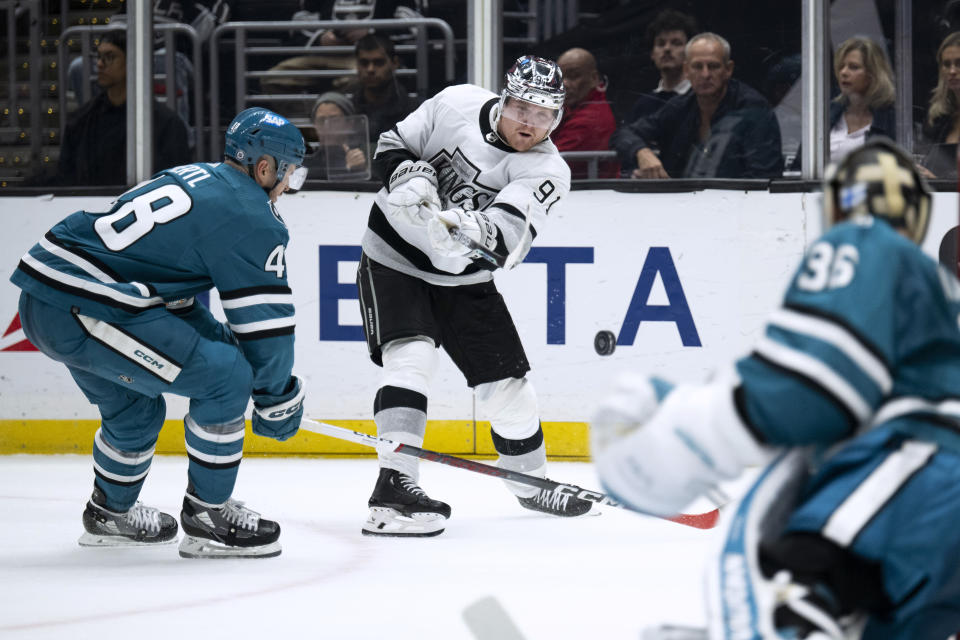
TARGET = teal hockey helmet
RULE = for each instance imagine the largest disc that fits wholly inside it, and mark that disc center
(256, 132)
(878, 179)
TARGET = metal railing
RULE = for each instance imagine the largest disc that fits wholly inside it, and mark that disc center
(592, 158)
(168, 30)
(241, 52)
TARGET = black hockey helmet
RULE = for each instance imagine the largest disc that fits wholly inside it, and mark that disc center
(878, 179)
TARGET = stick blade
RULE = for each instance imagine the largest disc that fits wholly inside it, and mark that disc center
(706, 520)
(488, 620)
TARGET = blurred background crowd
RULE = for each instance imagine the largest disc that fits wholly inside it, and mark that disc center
(656, 90)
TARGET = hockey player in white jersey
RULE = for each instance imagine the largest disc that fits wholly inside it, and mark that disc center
(853, 392)
(466, 166)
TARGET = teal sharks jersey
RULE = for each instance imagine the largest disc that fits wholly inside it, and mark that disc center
(181, 233)
(868, 332)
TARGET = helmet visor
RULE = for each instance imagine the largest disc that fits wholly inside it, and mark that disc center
(529, 114)
(297, 178)
(297, 173)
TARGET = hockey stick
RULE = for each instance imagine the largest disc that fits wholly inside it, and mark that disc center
(707, 520)
(505, 262)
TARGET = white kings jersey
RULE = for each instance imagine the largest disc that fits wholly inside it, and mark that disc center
(476, 170)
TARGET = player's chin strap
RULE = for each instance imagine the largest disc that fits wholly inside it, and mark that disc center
(494, 134)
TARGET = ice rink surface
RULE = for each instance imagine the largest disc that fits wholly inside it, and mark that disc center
(592, 577)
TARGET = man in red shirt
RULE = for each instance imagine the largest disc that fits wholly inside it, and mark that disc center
(587, 119)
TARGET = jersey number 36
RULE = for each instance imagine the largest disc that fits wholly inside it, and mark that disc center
(828, 267)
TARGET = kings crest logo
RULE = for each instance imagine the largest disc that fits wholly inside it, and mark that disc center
(458, 184)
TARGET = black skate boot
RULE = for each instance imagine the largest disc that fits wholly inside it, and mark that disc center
(139, 526)
(556, 504)
(398, 507)
(229, 530)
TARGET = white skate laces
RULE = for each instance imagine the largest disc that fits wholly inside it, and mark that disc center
(407, 484)
(234, 512)
(141, 516)
(552, 499)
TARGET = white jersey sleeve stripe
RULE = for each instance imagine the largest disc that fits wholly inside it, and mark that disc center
(87, 285)
(813, 368)
(876, 490)
(900, 407)
(263, 298)
(263, 325)
(76, 260)
(838, 337)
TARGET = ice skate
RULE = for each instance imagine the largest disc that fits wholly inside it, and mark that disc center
(140, 526)
(230, 530)
(398, 507)
(556, 504)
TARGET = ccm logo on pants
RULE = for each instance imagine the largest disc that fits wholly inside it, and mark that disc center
(130, 348)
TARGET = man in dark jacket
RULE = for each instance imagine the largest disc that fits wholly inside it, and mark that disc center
(721, 129)
(94, 149)
(379, 95)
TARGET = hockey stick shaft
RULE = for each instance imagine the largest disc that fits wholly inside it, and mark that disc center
(706, 520)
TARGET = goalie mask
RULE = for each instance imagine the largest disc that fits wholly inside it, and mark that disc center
(533, 93)
(878, 179)
(258, 132)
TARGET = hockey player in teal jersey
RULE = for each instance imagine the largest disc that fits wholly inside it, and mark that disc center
(851, 400)
(111, 295)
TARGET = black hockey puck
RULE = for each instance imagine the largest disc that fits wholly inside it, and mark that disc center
(605, 342)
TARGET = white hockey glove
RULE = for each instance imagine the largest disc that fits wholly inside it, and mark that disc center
(413, 192)
(658, 456)
(473, 224)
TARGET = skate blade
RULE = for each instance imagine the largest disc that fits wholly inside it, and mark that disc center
(192, 547)
(102, 540)
(674, 632)
(384, 521)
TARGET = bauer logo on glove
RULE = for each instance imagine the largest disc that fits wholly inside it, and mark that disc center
(413, 192)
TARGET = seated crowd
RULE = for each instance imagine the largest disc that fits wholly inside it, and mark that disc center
(699, 121)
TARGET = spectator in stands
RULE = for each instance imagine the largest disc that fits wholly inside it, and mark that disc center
(721, 129)
(94, 149)
(377, 93)
(588, 121)
(349, 36)
(864, 108)
(328, 116)
(668, 35)
(941, 129)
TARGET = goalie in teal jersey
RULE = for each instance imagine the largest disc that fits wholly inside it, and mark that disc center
(111, 295)
(850, 402)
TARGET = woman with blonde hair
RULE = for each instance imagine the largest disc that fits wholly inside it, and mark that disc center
(864, 107)
(941, 129)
